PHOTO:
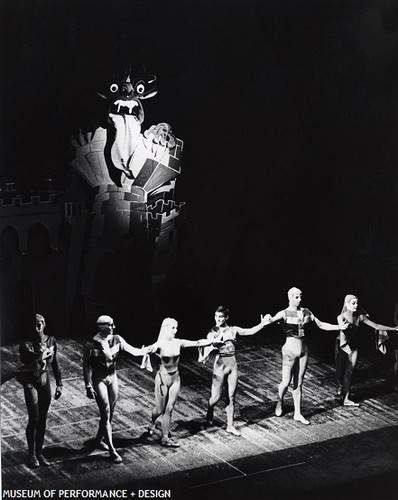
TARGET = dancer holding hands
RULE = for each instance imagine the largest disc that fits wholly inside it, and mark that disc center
(99, 370)
(225, 369)
(167, 380)
(347, 341)
(295, 321)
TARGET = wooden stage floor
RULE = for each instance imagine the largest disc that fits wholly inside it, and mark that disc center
(274, 458)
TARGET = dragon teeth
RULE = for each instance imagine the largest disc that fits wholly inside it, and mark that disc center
(126, 104)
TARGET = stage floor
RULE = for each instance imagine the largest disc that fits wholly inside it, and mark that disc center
(345, 452)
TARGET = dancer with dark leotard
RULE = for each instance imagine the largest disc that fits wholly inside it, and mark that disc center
(347, 341)
(37, 355)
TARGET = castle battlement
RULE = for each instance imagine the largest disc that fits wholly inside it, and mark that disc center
(52, 202)
(164, 211)
(23, 216)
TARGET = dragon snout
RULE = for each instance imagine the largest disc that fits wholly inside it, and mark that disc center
(127, 89)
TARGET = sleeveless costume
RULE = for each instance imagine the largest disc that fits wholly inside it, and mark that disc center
(34, 377)
(102, 354)
(226, 335)
(35, 372)
(348, 337)
(294, 324)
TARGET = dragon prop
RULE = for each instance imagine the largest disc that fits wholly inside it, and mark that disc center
(126, 150)
(126, 114)
(133, 233)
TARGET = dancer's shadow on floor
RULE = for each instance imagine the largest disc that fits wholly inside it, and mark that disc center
(121, 442)
(85, 455)
(56, 455)
(256, 413)
(180, 430)
(326, 406)
(381, 389)
(186, 428)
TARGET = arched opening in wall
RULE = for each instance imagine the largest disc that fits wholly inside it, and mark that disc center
(10, 260)
(9, 244)
(25, 310)
(38, 239)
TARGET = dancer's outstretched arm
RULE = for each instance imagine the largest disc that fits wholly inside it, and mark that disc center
(376, 326)
(134, 351)
(328, 326)
(195, 343)
(265, 320)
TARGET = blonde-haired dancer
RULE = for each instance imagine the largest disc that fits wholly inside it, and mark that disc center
(167, 379)
(347, 344)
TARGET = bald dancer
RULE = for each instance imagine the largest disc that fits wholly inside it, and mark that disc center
(295, 321)
(99, 370)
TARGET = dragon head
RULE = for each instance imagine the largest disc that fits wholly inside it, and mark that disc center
(126, 91)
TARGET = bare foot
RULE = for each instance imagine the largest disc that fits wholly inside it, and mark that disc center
(233, 431)
(301, 419)
(33, 462)
(42, 460)
(154, 432)
(278, 408)
(101, 445)
(207, 424)
(348, 402)
(169, 443)
(115, 457)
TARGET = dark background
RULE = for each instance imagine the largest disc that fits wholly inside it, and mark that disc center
(288, 113)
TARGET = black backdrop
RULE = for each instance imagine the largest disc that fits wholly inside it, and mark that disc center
(288, 112)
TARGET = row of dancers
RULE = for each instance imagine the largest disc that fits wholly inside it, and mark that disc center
(101, 352)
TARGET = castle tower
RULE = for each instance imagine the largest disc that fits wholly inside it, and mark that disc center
(131, 246)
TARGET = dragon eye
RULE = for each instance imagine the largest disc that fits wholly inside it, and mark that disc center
(140, 88)
(114, 87)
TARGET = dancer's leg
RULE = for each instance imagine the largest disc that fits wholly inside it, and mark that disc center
(288, 362)
(106, 399)
(352, 360)
(232, 382)
(216, 391)
(298, 379)
(173, 392)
